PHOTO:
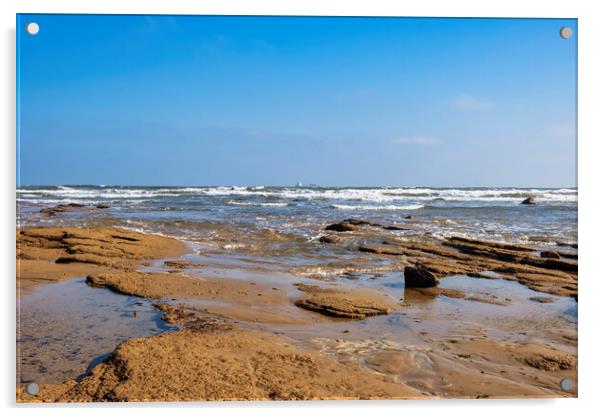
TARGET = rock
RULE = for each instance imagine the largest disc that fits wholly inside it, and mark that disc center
(471, 257)
(330, 239)
(181, 264)
(341, 227)
(548, 361)
(345, 303)
(419, 277)
(549, 255)
(567, 244)
(103, 206)
(409, 217)
(59, 209)
(393, 228)
(529, 201)
(542, 299)
(353, 221)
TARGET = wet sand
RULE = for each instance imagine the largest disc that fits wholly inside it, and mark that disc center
(247, 329)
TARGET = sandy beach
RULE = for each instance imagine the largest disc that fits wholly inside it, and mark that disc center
(470, 319)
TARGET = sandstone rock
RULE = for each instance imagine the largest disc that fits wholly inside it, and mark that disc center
(419, 277)
(354, 221)
(59, 209)
(345, 303)
(341, 227)
(393, 228)
(330, 239)
(542, 299)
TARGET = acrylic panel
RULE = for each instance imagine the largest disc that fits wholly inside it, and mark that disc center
(295, 208)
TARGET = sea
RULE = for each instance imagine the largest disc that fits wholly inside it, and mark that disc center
(485, 213)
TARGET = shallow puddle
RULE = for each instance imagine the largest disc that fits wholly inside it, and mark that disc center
(64, 329)
(499, 309)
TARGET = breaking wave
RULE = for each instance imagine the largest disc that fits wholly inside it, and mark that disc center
(377, 207)
(376, 195)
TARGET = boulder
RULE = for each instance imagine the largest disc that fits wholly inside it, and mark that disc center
(330, 239)
(529, 201)
(354, 221)
(393, 228)
(419, 277)
(341, 227)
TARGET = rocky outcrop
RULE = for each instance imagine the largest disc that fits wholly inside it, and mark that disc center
(59, 209)
(106, 246)
(48, 254)
(419, 277)
(341, 227)
(471, 257)
(529, 201)
(71, 207)
(352, 224)
(345, 303)
(330, 239)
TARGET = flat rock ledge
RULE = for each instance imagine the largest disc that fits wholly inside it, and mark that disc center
(555, 275)
(102, 246)
(350, 304)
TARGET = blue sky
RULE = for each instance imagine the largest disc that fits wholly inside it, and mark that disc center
(199, 100)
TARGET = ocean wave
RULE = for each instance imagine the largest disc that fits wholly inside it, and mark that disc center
(378, 207)
(376, 195)
(258, 204)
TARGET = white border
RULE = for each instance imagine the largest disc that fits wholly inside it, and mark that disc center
(590, 71)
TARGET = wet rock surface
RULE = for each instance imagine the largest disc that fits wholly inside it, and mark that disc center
(419, 277)
(71, 207)
(529, 201)
(47, 254)
(456, 255)
(345, 303)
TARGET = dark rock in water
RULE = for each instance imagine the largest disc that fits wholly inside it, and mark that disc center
(330, 239)
(353, 221)
(341, 227)
(529, 201)
(393, 228)
(52, 211)
(566, 244)
(542, 299)
(550, 255)
(419, 277)
(409, 217)
(351, 224)
(103, 206)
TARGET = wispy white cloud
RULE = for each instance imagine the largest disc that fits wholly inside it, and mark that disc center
(468, 102)
(416, 140)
